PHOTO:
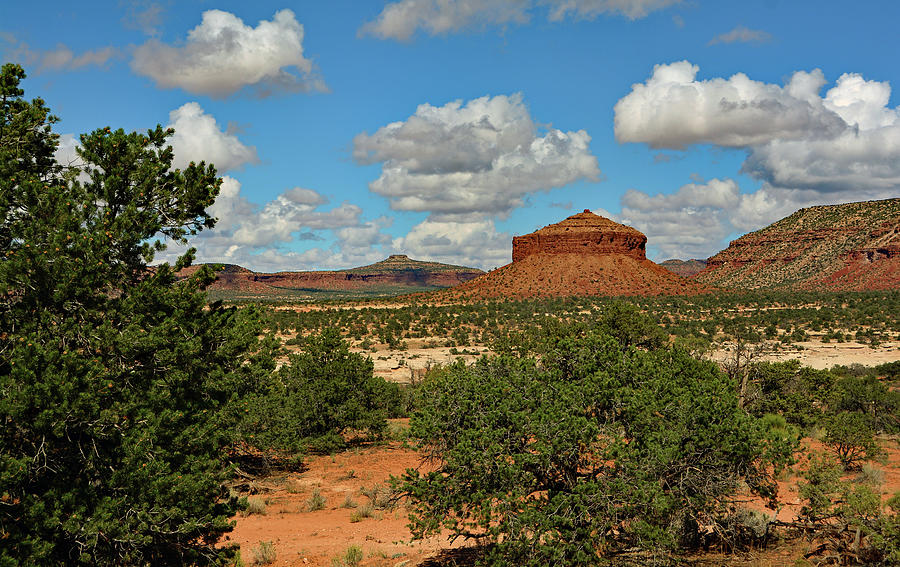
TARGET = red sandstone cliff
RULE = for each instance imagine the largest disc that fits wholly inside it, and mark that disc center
(850, 247)
(584, 233)
(584, 254)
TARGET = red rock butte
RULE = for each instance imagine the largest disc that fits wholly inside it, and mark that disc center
(584, 254)
(584, 233)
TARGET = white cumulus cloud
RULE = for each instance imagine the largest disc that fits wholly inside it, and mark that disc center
(230, 207)
(198, 137)
(363, 244)
(795, 138)
(365, 235)
(278, 220)
(862, 103)
(475, 243)
(689, 223)
(259, 237)
(864, 157)
(223, 55)
(672, 109)
(478, 158)
(697, 220)
(805, 149)
(866, 161)
(66, 151)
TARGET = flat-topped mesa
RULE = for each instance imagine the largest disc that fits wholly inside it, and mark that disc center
(585, 234)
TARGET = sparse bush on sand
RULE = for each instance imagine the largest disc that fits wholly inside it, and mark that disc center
(352, 557)
(845, 521)
(848, 434)
(364, 511)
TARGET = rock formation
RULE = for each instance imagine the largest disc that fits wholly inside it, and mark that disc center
(684, 268)
(849, 247)
(584, 254)
(395, 275)
(584, 233)
(396, 270)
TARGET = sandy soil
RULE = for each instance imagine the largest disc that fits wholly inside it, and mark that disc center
(410, 364)
(825, 355)
(316, 538)
(819, 355)
(789, 496)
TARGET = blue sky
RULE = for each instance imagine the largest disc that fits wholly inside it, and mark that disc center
(350, 130)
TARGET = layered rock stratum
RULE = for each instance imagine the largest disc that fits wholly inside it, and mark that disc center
(394, 275)
(585, 254)
(849, 247)
(583, 234)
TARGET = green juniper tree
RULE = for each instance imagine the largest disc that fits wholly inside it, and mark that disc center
(117, 385)
(587, 451)
(323, 391)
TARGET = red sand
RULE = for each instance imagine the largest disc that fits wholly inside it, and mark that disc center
(316, 538)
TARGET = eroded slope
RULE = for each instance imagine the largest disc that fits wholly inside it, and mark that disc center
(852, 247)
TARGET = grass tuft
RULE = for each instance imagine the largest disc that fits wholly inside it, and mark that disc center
(364, 511)
(255, 506)
(316, 501)
(264, 553)
(351, 558)
(349, 502)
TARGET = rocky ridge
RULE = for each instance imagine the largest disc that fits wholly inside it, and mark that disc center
(585, 254)
(849, 247)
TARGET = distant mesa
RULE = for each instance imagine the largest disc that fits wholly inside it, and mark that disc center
(404, 266)
(585, 254)
(684, 268)
(395, 275)
(849, 247)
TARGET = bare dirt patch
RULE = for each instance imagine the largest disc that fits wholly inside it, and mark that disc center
(825, 355)
(302, 536)
(821, 356)
(410, 364)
